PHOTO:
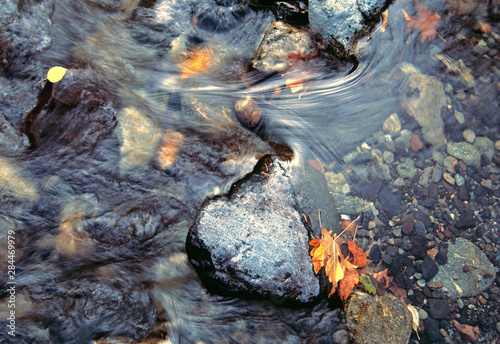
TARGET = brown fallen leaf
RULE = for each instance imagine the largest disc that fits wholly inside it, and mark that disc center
(347, 284)
(317, 164)
(382, 277)
(427, 22)
(359, 257)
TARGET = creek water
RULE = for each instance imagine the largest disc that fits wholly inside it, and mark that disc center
(102, 201)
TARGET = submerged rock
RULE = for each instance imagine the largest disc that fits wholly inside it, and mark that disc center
(378, 319)
(254, 241)
(424, 98)
(279, 41)
(468, 271)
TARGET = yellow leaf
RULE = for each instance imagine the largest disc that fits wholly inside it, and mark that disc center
(55, 74)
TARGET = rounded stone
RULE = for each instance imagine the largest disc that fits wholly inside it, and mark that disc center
(438, 308)
(388, 157)
(469, 135)
(422, 315)
(415, 143)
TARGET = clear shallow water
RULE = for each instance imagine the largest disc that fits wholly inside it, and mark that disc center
(104, 215)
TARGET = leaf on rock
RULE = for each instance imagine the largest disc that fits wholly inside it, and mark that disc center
(55, 74)
(197, 62)
(366, 282)
(326, 252)
(382, 277)
(360, 257)
(346, 285)
(427, 22)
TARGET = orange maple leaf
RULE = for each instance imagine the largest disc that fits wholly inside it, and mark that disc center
(427, 22)
(326, 252)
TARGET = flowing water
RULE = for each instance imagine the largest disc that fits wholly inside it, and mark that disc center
(142, 129)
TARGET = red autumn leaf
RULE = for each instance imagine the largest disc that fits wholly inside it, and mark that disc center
(382, 277)
(427, 22)
(359, 257)
(346, 285)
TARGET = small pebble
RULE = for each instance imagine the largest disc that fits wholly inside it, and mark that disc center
(469, 135)
(482, 299)
(459, 117)
(497, 145)
(421, 283)
(459, 180)
(487, 183)
(388, 157)
(422, 314)
(449, 178)
(415, 143)
(341, 337)
(449, 164)
(460, 303)
(397, 231)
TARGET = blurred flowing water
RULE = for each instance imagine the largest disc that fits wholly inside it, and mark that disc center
(101, 214)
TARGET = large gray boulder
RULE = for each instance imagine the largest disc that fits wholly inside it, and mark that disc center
(255, 241)
(340, 23)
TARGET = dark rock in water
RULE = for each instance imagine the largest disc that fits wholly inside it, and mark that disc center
(429, 268)
(438, 308)
(404, 281)
(408, 225)
(390, 202)
(254, 241)
(431, 327)
(441, 257)
(419, 228)
(375, 254)
(466, 219)
(463, 194)
(419, 247)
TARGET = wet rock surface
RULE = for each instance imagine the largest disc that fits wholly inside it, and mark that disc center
(340, 23)
(468, 272)
(255, 240)
(376, 319)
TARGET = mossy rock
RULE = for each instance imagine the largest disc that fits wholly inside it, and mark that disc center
(378, 319)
